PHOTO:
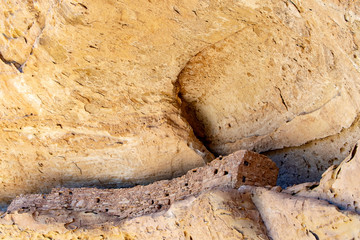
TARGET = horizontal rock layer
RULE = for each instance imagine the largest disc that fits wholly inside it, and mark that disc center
(237, 169)
(219, 214)
(96, 93)
(213, 212)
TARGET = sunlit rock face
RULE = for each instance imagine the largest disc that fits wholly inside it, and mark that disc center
(110, 94)
(284, 83)
(87, 94)
(118, 93)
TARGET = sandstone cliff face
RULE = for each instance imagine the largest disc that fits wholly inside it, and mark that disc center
(87, 95)
(101, 93)
(288, 77)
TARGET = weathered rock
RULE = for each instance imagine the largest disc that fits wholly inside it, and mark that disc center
(242, 167)
(293, 217)
(100, 93)
(207, 208)
(86, 90)
(281, 81)
(89, 90)
(339, 184)
(90, 211)
(218, 214)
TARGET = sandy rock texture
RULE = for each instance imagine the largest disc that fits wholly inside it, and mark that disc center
(339, 184)
(218, 212)
(86, 90)
(292, 217)
(287, 78)
(108, 93)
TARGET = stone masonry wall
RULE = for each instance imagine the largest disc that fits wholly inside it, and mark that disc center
(240, 168)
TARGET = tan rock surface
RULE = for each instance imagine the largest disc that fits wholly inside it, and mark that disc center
(288, 77)
(89, 89)
(86, 90)
(101, 93)
(292, 217)
(339, 184)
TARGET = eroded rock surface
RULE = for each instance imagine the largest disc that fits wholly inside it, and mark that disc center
(289, 76)
(87, 209)
(339, 184)
(237, 169)
(91, 92)
(207, 208)
(87, 95)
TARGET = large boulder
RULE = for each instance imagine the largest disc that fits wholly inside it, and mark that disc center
(288, 77)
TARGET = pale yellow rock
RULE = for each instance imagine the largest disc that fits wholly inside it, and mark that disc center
(87, 94)
(100, 93)
(339, 184)
(306, 162)
(89, 89)
(276, 82)
(288, 77)
(292, 217)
